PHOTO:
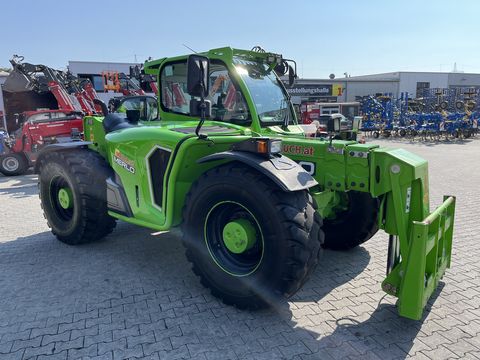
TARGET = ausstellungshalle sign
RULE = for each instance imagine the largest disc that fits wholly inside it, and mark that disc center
(315, 90)
(310, 90)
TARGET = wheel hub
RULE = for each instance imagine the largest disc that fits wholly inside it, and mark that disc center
(65, 198)
(239, 236)
(10, 163)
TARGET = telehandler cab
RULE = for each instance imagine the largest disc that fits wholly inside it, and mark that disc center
(255, 198)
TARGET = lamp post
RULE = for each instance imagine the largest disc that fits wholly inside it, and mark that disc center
(346, 85)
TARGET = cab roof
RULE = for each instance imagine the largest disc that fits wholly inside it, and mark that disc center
(225, 53)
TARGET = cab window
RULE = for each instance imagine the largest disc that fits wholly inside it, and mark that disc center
(147, 106)
(174, 88)
(58, 115)
(39, 117)
(228, 103)
(131, 104)
(152, 110)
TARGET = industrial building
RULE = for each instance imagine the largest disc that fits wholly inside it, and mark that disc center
(350, 88)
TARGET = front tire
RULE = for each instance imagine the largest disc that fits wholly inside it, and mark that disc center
(281, 240)
(355, 225)
(13, 164)
(73, 195)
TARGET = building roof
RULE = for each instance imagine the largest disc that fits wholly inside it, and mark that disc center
(102, 62)
(343, 80)
(395, 76)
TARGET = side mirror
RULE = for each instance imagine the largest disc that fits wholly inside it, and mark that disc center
(291, 75)
(196, 110)
(333, 125)
(133, 116)
(357, 123)
(197, 75)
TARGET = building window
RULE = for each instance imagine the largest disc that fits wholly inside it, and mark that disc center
(421, 86)
(96, 80)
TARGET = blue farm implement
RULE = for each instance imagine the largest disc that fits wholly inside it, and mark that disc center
(426, 118)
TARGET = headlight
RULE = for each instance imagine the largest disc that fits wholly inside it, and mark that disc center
(275, 146)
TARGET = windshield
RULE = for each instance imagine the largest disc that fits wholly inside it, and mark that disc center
(271, 102)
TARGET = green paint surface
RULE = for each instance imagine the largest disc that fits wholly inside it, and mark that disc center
(65, 198)
(239, 236)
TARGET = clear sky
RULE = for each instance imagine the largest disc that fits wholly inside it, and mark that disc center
(357, 37)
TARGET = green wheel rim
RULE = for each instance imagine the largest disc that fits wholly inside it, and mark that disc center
(61, 198)
(65, 198)
(234, 238)
(239, 236)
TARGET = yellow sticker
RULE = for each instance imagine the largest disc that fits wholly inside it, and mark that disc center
(337, 90)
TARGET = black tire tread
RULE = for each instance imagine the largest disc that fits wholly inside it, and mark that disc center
(305, 235)
(356, 229)
(89, 170)
(22, 168)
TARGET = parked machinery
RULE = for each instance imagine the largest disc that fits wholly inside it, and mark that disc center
(134, 84)
(43, 106)
(147, 82)
(256, 199)
(425, 118)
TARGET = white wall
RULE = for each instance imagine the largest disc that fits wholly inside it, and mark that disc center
(463, 80)
(363, 88)
(408, 81)
(93, 67)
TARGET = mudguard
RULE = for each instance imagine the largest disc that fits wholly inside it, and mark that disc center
(59, 147)
(283, 171)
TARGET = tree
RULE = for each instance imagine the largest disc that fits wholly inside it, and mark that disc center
(5, 69)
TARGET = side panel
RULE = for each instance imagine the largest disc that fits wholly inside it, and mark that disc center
(129, 153)
(93, 132)
(339, 166)
(157, 167)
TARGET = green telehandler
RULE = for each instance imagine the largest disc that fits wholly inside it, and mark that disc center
(224, 158)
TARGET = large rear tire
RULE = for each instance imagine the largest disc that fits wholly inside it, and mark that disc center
(355, 225)
(73, 195)
(279, 236)
(13, 164)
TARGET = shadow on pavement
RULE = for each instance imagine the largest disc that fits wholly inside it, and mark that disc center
(18, 186)
(384, 332)
(334, 269)
(149, 275)
(420, 142)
